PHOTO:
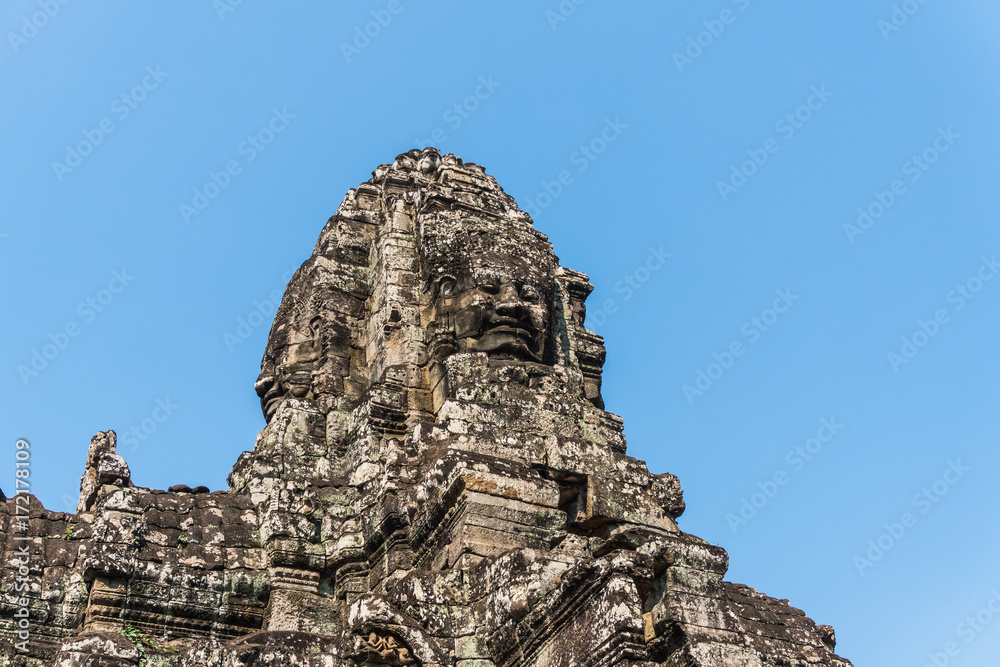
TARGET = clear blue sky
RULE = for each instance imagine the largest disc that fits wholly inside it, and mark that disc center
(739, 137)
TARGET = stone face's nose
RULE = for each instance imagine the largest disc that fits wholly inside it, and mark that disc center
(263, 384)
(510, 303)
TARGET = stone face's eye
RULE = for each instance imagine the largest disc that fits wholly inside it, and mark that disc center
(446, 287)
(490, 286)
(530, 294)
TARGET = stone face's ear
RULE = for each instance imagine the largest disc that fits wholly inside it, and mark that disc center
(582, 344)
(315, 324)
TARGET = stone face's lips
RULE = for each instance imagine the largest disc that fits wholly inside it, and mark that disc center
(294, 381)
(270, 395)
(271, 406)
(508, 334)
(513, 323)
(520, 328)
(514, 330)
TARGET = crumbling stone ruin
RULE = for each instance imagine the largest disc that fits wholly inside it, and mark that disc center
(438, 484)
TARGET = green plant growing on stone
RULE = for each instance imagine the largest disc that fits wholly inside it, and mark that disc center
(138, 640)
(182, 539)
(138, 539)
(68, 533)
(142, 642)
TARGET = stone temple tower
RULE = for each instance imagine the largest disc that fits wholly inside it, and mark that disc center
(438, 483)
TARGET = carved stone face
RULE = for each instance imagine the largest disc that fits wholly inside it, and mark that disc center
(289, 373)
(495, 304)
